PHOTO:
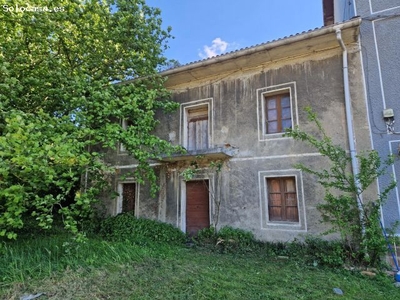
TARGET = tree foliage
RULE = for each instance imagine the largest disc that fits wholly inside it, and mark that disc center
(348, 208)
(62, 99)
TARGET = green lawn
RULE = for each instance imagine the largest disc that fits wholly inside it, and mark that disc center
(104, 270)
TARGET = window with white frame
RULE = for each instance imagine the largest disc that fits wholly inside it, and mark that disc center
(276, 110)
(282, 200)
(278, 113)
(125, 123)
(196, 124)
(197, 128)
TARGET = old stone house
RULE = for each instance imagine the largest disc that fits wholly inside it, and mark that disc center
(239, 167)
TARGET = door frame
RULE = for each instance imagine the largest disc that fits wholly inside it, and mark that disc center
(211, 206)
(118, 202)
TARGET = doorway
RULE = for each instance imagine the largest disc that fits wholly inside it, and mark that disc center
(197, 206)
(127, 198)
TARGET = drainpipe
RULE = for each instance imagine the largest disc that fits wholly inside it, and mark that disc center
(349, 122)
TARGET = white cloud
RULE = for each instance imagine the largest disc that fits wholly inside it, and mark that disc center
(217, 47)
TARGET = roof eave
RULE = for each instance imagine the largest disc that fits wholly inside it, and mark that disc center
(354, 23)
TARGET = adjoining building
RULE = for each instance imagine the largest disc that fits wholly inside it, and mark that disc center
(380, 42)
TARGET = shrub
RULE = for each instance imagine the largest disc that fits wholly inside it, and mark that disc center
(126, 227)
(227, 239)
(327, 253)
(238, 236)
(91, 226)
(312, 251)
(347, 207)
(206, 236)
(31, 227)
(316, 251)
(235, 240)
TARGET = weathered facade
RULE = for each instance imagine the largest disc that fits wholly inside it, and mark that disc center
(380, 40)
(233, 111)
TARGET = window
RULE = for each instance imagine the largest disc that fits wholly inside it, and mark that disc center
(282, 199)
(197, 128)
(278, 113)
(276, 110)
(125, 123)
(196, 124)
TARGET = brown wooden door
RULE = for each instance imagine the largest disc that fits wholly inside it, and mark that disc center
(128, 197)
(197, 206)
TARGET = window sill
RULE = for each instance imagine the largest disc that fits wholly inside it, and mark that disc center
(283, 223)
(284, 226)
(273, 136)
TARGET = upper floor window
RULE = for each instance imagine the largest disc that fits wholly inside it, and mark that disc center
(278, 114)
(196, 124)
(197, 128)
(276, 110)
(125, 123)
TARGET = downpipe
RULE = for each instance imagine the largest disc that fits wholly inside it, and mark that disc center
(349, 122)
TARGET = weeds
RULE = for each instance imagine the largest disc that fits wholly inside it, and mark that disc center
(122, 270)
(237, 267)
(127, 227)
(312, 251)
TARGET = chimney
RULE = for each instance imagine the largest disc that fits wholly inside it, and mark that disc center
(327, 6)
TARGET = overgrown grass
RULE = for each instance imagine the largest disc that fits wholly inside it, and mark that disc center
(35, 258)
(121, 270)
(140, 259)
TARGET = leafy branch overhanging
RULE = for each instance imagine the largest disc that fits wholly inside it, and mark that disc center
(349, 207)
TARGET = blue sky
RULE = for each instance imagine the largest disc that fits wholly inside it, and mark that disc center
(204, 28)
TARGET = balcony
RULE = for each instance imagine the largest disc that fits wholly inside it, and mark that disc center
(224, 152)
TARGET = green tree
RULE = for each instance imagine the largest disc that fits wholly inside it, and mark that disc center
(348, 208)
(62, 64)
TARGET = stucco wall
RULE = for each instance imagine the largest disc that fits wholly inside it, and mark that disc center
(235, 100)
(315, 82)
(380, 39)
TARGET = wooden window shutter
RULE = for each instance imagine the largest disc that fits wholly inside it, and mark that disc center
(282, 199)
(197, 128)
